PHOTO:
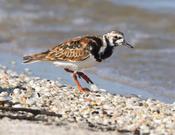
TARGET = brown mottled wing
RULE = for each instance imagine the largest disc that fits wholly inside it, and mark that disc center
(73, 50)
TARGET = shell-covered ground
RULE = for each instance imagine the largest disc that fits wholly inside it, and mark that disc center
(50, 103)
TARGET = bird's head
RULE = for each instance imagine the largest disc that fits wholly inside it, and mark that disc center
(116, 38)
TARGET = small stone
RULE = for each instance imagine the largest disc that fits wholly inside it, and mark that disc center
(94, 87)
(16, 91)
(3, 94)
(17, 106)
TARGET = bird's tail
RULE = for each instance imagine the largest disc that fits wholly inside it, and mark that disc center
(35, 57)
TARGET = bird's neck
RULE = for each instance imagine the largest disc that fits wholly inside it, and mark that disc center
(106, 49)
(101, 48)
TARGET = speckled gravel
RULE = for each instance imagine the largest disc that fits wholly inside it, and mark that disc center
(50, 102)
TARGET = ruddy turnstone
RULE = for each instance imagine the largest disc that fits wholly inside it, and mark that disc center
(80, 53)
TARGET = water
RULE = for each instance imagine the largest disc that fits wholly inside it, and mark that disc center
(156, 6)
(148, 70)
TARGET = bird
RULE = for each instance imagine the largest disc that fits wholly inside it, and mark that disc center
(80, 53)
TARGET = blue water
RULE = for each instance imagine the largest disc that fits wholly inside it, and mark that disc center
(153, 5)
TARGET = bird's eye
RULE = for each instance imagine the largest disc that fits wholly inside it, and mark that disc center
(119, 37)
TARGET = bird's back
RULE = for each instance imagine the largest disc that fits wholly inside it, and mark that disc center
(74, 50)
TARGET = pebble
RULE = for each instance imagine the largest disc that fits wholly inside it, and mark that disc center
(4, 97)
(98, 109)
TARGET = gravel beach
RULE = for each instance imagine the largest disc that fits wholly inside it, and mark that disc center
(40, 106)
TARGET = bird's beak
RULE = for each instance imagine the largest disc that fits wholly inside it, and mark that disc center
(128, 45)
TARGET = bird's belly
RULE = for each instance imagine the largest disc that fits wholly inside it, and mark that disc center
(69, 65)
(76, 66)
(88, 63)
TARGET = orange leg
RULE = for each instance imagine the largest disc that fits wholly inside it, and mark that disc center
(78, 83)
(68, 70)
(81, 74)
(85, 77)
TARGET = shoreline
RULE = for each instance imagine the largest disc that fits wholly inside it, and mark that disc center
(31, 100)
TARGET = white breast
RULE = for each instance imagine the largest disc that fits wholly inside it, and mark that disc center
(77, 66)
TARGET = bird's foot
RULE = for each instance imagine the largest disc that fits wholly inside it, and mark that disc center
(83, 90)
